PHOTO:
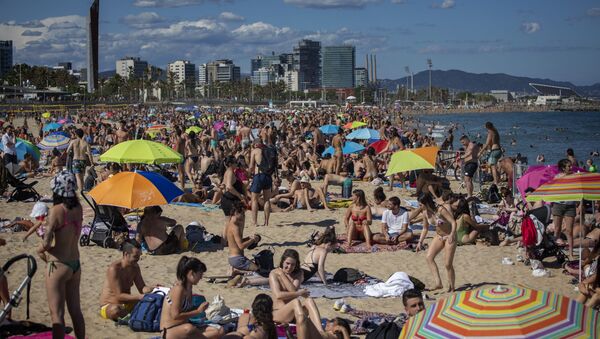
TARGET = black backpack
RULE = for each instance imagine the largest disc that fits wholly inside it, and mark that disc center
(264, 260)
(387, 330)
(493, 195)
(268, 164)
(347, 275)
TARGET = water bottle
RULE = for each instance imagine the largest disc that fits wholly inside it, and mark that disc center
(347, 188)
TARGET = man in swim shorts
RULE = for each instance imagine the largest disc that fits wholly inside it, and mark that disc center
(116, 298)
(470, 162)
(234, 233)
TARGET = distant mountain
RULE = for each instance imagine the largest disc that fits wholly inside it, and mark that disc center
(464, 81)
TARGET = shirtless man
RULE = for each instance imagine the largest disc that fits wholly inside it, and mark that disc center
(470, 162)
(81, 154)
(234, 233)
(493, 144)
(293, 186)
(152, 230)
(116, 299)
(338, 156)
(122, 134)
(318, 139)
(308, 197)
(245, 134)
(179, 146)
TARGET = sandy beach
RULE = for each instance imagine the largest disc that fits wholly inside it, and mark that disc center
(475, 265)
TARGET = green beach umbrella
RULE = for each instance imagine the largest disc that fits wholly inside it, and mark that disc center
(141, 152)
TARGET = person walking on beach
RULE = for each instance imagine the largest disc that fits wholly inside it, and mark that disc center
(338, 144)
(63, 275)
(492, 143)
(82, 156)
(470, 162)
(263, 162)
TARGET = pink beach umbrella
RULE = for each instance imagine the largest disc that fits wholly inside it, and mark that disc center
(218, 125)
(537, 175)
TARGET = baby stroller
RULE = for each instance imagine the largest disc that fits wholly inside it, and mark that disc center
(21, 191)
(15, 298)
(107, 221)
(539, 245)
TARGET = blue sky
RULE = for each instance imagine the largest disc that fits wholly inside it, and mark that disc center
(556, 39)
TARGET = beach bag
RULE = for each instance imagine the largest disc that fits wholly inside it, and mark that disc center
(493, 195)
(268, 164)
(419, 285)
(145, 316)
(217, 308)
(386, 330)
(194, 233)
(347, 275)
(528, 232)
(264, 260)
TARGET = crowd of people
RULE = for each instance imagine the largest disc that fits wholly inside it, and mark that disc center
(239, 161)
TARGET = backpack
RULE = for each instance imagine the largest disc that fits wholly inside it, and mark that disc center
(386, 330)
(145, 316)
(419, 285)
(194, 234)
(268, 164)
(528, 232)
(493, 195)
(264, 260)
(347, 275)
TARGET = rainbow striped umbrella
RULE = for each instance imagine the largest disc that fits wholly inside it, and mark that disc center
(135, 190)
(504, 312)
(54, 140)
(573, 187)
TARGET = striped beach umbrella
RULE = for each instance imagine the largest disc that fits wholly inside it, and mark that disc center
(573, 187)
(504, 312)
(354, 124)
(54, 140)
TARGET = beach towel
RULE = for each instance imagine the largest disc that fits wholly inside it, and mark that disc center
(205, 208)
(395, 286)
(342, 203)
(361, 247)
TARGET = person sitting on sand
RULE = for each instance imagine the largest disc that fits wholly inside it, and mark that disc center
(467, 229)
(334, 179)
(311, 326)
(152, 230)
(234, 234)
(39, 213)
(314, 262)
(59, 160)
(395, 226)
(445, 238)
(308, 197)
(358, 219)
(258, 324)
(116, 298)
(177, 306)
(294, 185)
(589, 289)
(284, 282)
(28, 167)
(380, 203)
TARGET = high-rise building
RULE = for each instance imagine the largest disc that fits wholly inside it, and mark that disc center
(6, 56)
(183, 71)
(67, 66)
(307, 60)
(131, 66)
(292, 80)
(202, 74)
(92, 45)
(263, 76)
(338, 63)
(361, 77)
(222, 71)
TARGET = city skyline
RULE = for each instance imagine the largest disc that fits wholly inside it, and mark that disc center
(482, 37)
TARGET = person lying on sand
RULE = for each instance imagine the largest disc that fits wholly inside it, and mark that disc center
(116, 298)
(152, 230)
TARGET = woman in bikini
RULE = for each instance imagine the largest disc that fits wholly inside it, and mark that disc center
(288, 297)
(259, 324)
(64, 270)
(445, 238)
(467, 229)
(358, 218)
(177, 307)
(314, 262)
(191, 155)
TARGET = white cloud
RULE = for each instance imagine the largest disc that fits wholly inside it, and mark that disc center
(593, 11)
(327, 4)
(530, 27)
(229, 16)
(399, 2)
(173, 3)
(446, 4)
(260, 32)
(142, 20)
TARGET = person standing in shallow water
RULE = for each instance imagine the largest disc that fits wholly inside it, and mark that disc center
(492, 143)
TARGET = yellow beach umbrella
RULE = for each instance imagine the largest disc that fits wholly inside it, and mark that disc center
(413, 159)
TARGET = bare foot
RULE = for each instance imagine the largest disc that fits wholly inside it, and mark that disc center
(438, 287)
(450, 289)
(234, 281)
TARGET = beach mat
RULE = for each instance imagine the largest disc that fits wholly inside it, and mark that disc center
(361, 247)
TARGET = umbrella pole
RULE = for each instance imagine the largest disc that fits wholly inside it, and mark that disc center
(581, 217)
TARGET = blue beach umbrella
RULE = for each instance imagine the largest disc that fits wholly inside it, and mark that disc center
(23, 147)
(51, 127)
(349, 148)
(364, 133)
(329, 129)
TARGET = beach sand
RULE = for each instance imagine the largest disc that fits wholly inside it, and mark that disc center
(475, 265)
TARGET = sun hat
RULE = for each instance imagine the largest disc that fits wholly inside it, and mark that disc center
(39, 209)
(64, 184)
(305, 179)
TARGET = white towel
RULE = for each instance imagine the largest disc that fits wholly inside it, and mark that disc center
(395, 286)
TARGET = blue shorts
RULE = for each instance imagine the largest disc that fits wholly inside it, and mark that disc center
(78, 166)
(261, 182)
(494, 156)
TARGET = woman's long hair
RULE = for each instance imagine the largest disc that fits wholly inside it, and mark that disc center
(262, 309)
(462, 208)
(291, 253)
(70, 203)
(362, 200)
